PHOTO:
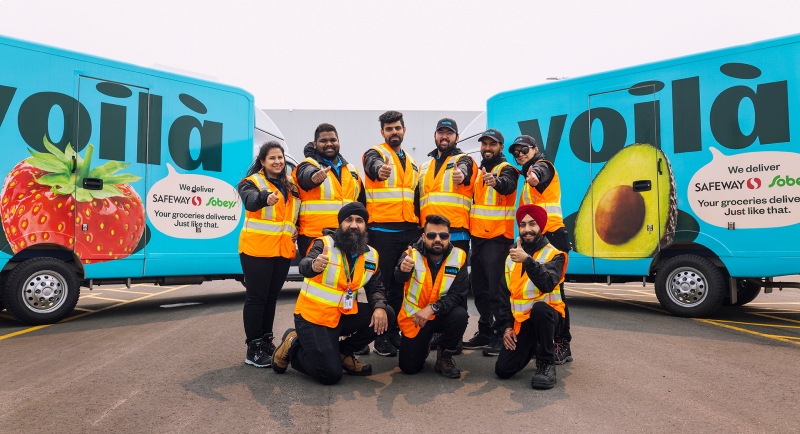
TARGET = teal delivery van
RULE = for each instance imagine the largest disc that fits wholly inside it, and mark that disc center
(113, 173)
(685, 173)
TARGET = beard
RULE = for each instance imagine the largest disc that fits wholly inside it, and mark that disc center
(351, 241)
(394, 140)
(536, 237)
(443, 145)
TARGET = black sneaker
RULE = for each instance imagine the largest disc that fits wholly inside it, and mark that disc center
(494, 346)
(383, 347)
(257, 354)
(362, 352)
(562, 352)
(545, 376)
(394, 338)
(478, 341)
(436, 341)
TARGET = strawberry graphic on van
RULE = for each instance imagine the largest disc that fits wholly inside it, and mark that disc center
(40, 195)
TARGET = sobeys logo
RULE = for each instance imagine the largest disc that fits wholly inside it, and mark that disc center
(785, 181)
(222, 203)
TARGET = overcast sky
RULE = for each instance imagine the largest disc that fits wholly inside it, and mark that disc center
(408, 54)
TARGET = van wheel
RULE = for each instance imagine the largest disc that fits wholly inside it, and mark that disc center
(690, 286)
(41, 291)
(747, 291)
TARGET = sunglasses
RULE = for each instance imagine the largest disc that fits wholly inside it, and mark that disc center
(521, 150)
(444, 236)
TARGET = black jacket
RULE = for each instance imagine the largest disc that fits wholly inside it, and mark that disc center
(507, 181)
(255, 199)
(376, 294)
(544, 276)
(458, 290)
(373, 160)
(542, 170)
(464, 163)
(306, 170)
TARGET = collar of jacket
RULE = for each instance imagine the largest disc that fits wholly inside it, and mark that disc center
(531, 248)
(490, 164)
(538, 156)
(452, 151)
(419, 245)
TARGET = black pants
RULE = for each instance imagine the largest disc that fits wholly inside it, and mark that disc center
(535, 338)
(316, 350)
(414, 351)
(303, 243)
(560, 241)
(263, 280)
(463, 245)
(390, 245)
(488, 268)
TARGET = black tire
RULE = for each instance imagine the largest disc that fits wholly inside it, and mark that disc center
(690, 286)
(747, 291)
(58, 288)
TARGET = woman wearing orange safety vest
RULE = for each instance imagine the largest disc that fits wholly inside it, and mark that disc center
(266, 246)
(533, 311)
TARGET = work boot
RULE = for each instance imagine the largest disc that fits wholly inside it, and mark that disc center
(478, 341)
(383, 347)
(562, 352)
(362, 352)
(494, 346)
(545, 376)
(445, 364)
(258, 354)
(352, 366)
(280, 358)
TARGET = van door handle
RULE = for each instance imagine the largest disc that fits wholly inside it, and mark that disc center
(93, 183)
(643, 185)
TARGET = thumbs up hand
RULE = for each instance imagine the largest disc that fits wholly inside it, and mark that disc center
(321, 261)
(517, 253)
(488, 178)
(408, 263)
(531, 178)
(319, 176)
(458, 176)
(385, 171)
(272, 199)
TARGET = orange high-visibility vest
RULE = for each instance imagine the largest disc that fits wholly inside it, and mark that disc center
(423, 289)
(268, 232)
(492, 214)
(550, 200)
(392, 200)
(320, 206)
(321, 299)
(524, 293)
(439, 195)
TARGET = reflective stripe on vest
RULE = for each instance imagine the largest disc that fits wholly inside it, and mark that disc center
(392, 200)
(492, 214)
(423, 289)
(321, 298)
(524, 293)
(320, 206)
(549, 199)
(268, 232)
(439, 195)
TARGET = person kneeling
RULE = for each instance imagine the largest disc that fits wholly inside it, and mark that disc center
(436, 283)
(532, 302)
(337, 266)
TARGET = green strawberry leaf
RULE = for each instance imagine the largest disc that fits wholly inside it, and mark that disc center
(47, 162)
(107, 169)
(64, 189)
(55, 179)
(55, 151)
(107, 191)
(83, 195)
(122, 178)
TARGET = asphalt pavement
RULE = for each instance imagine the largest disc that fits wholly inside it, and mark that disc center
(171, 359)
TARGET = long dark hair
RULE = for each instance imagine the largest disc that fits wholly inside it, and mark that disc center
(262, 154)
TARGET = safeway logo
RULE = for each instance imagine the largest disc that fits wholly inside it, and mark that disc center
(753, 183)
(197, 201)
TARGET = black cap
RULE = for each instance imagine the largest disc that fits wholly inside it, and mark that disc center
(447, 123)
(492, 134)
(353, 208)
(525, 141)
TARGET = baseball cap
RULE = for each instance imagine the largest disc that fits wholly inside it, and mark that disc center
(492, 134)
(447, 123)
(525, 140)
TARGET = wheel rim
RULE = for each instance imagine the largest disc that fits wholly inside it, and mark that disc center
(45, 291)
(687, 287)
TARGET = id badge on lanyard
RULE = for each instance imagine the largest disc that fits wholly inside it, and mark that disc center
(347, 300)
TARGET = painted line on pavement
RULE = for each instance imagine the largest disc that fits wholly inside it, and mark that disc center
(755, 324)
(81, 315)
(126, 291)
(765, 315)
(632, 303)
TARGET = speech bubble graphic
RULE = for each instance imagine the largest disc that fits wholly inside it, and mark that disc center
(193, 206)
(750, 190)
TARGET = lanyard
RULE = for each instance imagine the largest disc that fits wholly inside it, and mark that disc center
(349, 272)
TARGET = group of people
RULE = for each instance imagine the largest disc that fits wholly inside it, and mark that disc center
(402, 235)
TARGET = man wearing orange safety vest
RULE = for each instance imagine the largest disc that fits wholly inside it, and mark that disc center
(339, 264)
(390, 184)
(436, 281)
(492, 230)
(532, 307)
(542, 187)
(326, 182)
